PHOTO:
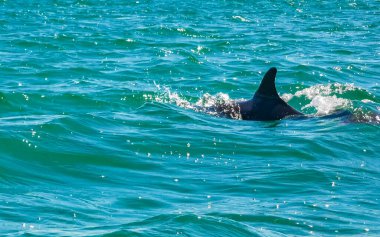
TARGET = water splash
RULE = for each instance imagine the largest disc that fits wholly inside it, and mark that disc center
(323, 98)
(327, 104)
(220, 105)
(327, 99)
(165, 95)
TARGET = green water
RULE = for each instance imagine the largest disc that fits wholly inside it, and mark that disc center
(99, 134)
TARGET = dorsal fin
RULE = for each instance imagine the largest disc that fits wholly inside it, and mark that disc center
(267, 86)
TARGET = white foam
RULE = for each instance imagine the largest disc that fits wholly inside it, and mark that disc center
(166, 96)
(324, 97)
(327, 104)
(219, 105)
(325, 90)
(208, 100)
(367, 101)
(287, 97)
(240, 18)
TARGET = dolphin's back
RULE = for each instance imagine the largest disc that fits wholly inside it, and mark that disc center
(266, 104)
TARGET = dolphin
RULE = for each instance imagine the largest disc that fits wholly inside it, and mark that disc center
(266, 104)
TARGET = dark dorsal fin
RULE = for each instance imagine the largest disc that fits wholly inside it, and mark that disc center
(267, 87)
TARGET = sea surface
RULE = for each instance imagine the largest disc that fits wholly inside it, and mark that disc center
(100, 134)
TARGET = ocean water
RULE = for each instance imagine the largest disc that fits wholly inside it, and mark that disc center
(100, 135)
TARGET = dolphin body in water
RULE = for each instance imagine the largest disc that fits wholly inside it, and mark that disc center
(266, 104)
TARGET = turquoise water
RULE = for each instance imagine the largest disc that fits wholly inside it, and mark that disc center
(99, 134)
